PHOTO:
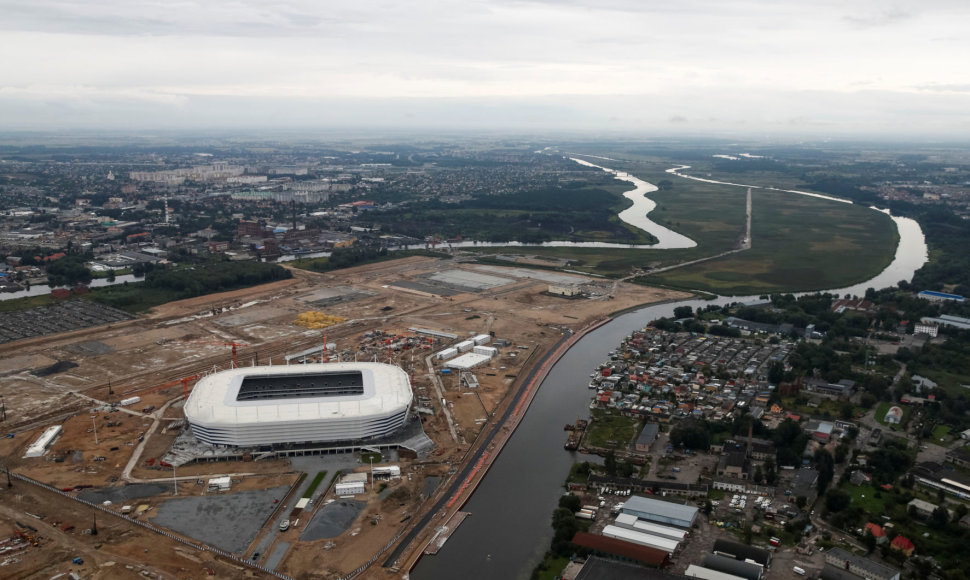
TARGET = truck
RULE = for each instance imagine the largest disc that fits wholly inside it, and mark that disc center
(585, 516)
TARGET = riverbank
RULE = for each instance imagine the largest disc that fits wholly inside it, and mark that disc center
(456, 498)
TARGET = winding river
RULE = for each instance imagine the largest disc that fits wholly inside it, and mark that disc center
(509, 530)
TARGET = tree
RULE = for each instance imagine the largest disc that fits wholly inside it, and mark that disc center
(940, 517)
(776, 372)
(111, 276)
(609, 463)
(625, 469)
(837, 500)
(571, 502)
(683, 312)
(825, 464)
(691, 435)
(68, 271)
(565, 525)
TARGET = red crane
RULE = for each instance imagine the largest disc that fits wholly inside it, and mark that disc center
(184, 381)
(232, 344)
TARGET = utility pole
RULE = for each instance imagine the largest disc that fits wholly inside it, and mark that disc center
(95, 424)
(175, 480)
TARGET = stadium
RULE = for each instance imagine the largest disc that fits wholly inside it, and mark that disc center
(299, 404)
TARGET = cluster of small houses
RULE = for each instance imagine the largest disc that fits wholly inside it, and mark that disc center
(663, 375)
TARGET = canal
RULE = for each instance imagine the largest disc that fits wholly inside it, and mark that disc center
(509, 530)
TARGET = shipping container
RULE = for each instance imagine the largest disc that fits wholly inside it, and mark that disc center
(129, 401)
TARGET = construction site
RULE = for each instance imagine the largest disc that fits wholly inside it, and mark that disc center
(104, 470)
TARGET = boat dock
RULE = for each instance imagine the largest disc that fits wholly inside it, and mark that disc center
(444, 532)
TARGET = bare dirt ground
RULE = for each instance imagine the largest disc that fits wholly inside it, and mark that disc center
(148, 356)
(119, 550)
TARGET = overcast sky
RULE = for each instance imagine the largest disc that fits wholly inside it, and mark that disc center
(774, 66)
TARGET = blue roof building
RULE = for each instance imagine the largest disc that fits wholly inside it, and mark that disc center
(934, 296)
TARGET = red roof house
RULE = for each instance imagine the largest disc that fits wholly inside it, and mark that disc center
(903, 544)
(877, 532)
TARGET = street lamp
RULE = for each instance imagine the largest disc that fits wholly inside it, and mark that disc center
(175, 480)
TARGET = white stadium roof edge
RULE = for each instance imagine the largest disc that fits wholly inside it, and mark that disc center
(311, 403)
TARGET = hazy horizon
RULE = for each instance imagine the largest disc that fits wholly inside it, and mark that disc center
(747, 68)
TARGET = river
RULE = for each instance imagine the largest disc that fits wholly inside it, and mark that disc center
(41, 289)
(509, 530)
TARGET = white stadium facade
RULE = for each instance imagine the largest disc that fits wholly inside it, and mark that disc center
(299, 404)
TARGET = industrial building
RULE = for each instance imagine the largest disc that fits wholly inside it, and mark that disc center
(632, 522)
(663, 512)
(39, 447)
(745, 570)
(742, 552)
(314, 403)
(621, 549)
(695, 571)
(351, 484)
(859, 566)
(651, 541)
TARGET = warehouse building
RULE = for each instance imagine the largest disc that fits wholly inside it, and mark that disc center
(734, 567)
(651, 541)
(663, 512)
(742, 552)
(859, 565)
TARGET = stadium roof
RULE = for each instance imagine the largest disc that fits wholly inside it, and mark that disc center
(216, 398)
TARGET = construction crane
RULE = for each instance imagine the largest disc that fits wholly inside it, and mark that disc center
(232, 344)
(184, 381)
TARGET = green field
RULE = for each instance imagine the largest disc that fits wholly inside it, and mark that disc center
(941, 434)
(798, 242)
(610, 430)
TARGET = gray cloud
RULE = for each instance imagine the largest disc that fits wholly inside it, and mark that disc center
(878, 18)
(537, 63)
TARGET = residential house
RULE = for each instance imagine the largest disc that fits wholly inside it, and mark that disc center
(903, 544)
(877, 532)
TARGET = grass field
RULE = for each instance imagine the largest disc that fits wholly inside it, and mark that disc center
(865, 496)
(941, 434)
(798, 242)
(613, 430)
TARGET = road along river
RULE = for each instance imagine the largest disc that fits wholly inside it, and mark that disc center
(509, 529)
